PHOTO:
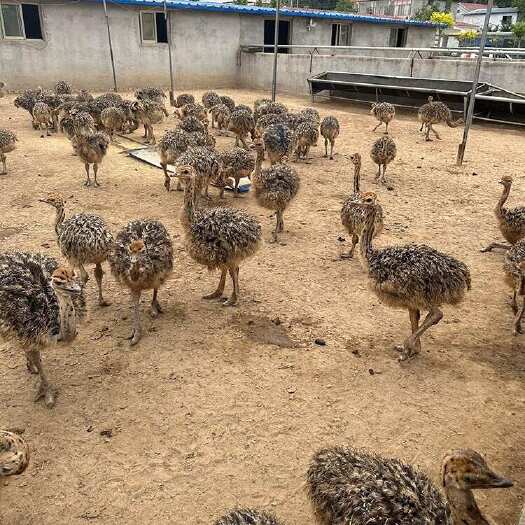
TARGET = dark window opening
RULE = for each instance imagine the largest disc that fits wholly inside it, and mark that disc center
(31, 17)
(341, 34)
(334, 35)
(269, 35)
(398, 37)
(162, 28)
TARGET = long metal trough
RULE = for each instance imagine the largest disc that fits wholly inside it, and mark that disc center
(492, 103)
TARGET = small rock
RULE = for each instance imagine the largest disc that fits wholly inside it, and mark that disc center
(320, 342)
(419, 167)
(371, 371)
(474, 174)
(291, 390)
(45, 245)
(90, 428)
(107, 433)
(356, 353)
(341, 239)
(276, 321)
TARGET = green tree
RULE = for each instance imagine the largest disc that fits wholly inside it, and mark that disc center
(240, 2)
(425, 12)
(518, 30)
(345, 5)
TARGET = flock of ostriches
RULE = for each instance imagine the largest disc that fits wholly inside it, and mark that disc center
(41, 300)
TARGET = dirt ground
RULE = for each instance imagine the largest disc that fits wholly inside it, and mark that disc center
(220, 407)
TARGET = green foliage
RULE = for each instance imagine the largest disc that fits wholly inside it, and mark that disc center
(425, 13)
(273, 3)
(518, 29)
(240, 2)
(258, 3)
(442, 18)
(520, 4)
(467, 35)
(345, 5)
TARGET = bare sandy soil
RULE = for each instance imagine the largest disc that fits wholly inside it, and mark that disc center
(207, 412)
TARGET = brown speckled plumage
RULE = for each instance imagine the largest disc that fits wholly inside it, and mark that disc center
(434, 113)
(228, 102)
(269, 107)
(91, 149)
(151, 93)
(148, 112)
(183, 99)
(384, 112)
(329, 131)
(248, 517)
(242, 124)
(221, 116)
(310, 114)
(210, 99)
(269, 119)
(194, 110)
(191, 124)
(383, 152)
(42, 118)
(113, 119)
(206, 163)
(7, 144)
(413, 277)
(142, 259)
(14, 454)
(278, 142)
(514, 267)
(63, 88)
(236, 163)
(306, 135)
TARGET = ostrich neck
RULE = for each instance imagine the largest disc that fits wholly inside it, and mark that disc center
(502, 200)
(258, 163)
(365, 242)
(465, 510)
(59, 218)
(68, 318)
(357, 174)
(189, 202)
(134, 271)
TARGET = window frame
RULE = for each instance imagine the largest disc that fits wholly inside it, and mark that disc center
(19, 5)
(154, 13)
(338, 34)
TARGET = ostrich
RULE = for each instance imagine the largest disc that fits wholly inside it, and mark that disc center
(210, 99)
(247, 517)
(91, 148)
(207, 164)
(14, 454)
(310, 115)
(434, 113)
(236, 163)
(148, 112)
(142, 259)
(7, 144)
(183, 99)
(514, 267)
(63, 88)
(244, 107)
(329, 131)
(269, 119)
(511, 221)
(228, 102)
(274, 187)
(220, 115)
(75, 124)
(218, 238)
(194, 110)
(306, 135)
(42, 117)
(150, 93)
(113, 119)
(242, 124)
(278, 142)
(270, 107)
(40, 302)
(383, 152)
(171, 145)
(192, 124)
(352, 216)
(384, 112)
(415, 277)
(261, 102)
(83, 239)
(351, 486)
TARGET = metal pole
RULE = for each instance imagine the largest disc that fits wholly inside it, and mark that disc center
(110, 48)
(275, 50)
(472, 98)
(167, 18)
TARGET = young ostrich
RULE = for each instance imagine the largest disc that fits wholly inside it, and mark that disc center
(171, 146)
(306, 135)
(207, 165)
(7, 144)
(311, 115)
(113, 119)
(415, 277)
(383, 152)
(352, 215)
(384, 112)
(218, 238)
(92, 148)
(192, 124)
(148, 112)
(270, 107)
(434, 113)
(511, 221)
(63, 88)
(142, 259)
(242, 124)
(244, 107)
(351, 486)
(150, 93)
(329, 131)
(210, 99)
(194, 110)
(268, 120)
(83, 239)
(220, 115)
(278, 142)
(183, 99)
(42, 118)
(236, 163)
(40, 302)
(247, 517)
(274, 187)
(228, 102)
(14, 454)
(514, 267)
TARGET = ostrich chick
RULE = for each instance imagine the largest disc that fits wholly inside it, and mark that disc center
(7, 144)
(329, 131)
(92, 148)
(278, 142)
(274, 187)
(351, 486)
(83, 239)
(148, 112)
(171, 145)
(511, 221)
(40, 302)
(14, 454)
(218, 238)
(514, 267)
(142, 259)
(242, 124)
(384, 112)
(236, 163)
(383, 152)
(63, 88)
(113, 119)
(434, 113)
(306, 135)
(42, 118)
(206, 163)
(247, 517)
(352, 215)
(220, 115)
(183, 99)
(228, 102)
(414, 277)
(210, 99)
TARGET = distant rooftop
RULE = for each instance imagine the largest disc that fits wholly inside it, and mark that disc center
(495, 10)
(270, 11)
(471, 7)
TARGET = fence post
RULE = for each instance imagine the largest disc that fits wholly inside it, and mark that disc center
(275, 50)
(110, 47)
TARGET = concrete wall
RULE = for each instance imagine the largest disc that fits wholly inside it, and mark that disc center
(294, 70)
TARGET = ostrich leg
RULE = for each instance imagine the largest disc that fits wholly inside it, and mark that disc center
(234, 274)
(99, 274)
(377, 126)
(493, 245)
(45, 390)
(155, 306)
(220, 289)
(136, 333)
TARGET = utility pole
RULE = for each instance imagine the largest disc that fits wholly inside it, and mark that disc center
(167, 18)
(110, 47)
(275, 50)
(472, 98)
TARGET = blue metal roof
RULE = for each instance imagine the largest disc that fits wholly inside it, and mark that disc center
(270, 11)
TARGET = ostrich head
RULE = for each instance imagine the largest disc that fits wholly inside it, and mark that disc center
(356, 159)
(257, 144)
(136, 251)
(64, 282)
(467, 470)
(54, 199)
(506, 180)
